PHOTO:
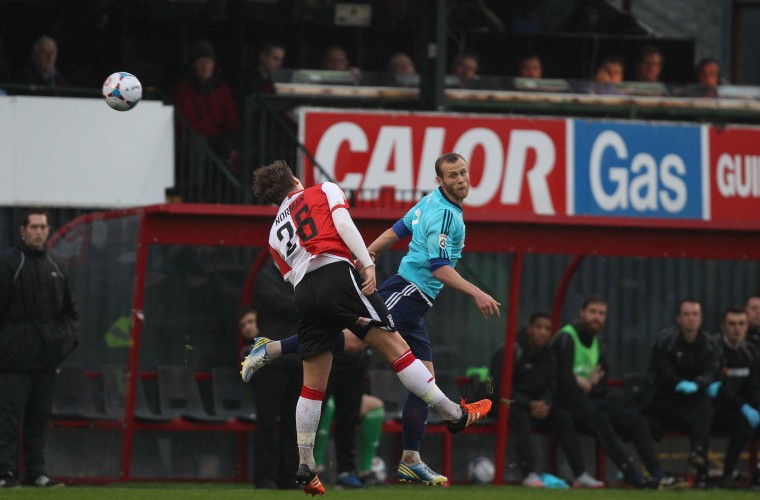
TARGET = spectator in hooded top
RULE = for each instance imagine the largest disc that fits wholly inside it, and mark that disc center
(206, 101)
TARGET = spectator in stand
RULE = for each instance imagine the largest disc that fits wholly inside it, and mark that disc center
(42, 70)
(753, 316)
(529, 66)
(610, 70)
(534, 390)
(737, 393)
(206, 101)
(582, 375)
(259, 80)
(586, 18)
(38, 330)
(465, 67)
(401, 70)
(684, 363)
(277, 386)
(708, 78)
(649, 65)
(401, 64)
(336, 59)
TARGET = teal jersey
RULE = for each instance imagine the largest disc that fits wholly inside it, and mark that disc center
(437, 229)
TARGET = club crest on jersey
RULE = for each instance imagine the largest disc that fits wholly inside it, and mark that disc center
(442, 241)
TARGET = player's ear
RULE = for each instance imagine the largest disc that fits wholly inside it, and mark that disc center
(438, 180)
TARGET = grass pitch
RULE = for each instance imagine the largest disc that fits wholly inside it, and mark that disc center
(185, 491)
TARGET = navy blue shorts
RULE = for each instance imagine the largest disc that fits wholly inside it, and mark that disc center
(407, 304)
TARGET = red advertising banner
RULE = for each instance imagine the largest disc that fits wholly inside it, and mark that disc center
(734, 168)
(517, 165)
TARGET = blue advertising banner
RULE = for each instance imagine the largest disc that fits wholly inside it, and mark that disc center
(636, 170)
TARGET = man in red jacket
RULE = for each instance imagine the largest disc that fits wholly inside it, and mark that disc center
(206, 101)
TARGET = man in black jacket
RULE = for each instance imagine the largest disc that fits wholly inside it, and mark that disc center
(38, 329)
(582, 375)
(684, 363)
(534, 389)
(737, 393)
(277, 386)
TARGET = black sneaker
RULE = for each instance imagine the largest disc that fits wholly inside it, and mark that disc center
(44, 481)
(8, 480)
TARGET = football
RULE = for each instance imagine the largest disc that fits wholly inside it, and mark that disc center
(480, 470)
(122, 91)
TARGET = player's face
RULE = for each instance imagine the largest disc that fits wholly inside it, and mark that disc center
(455, 180)
(753, 312)
(735, 327)
(248, 326)
(594, 316)
(35, 233)
(539, 332)
(689, 318)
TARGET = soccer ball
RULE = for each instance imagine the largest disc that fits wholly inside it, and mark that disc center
(480, 470)
(379, 471)
(122, 91)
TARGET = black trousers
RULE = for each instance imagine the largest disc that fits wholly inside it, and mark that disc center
(276, 390)
(690, 413)
(609, 421)
(559, 422)
(25, 401)
(346, 385)
(734, 423)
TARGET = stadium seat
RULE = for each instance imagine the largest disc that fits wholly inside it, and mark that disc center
(232, 397)
(114, 391)
(178, 395)
(74, 398)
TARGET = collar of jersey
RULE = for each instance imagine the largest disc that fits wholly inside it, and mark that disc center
(443, 194)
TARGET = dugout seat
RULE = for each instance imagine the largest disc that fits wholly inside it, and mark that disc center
(179, 397)
(74, 397)
(232, 396)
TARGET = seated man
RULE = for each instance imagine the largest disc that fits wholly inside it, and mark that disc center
(684, 362)
(737, 393)
(582, 376)
(534, 389)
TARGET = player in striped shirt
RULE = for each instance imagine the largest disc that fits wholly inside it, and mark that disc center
(312, 240)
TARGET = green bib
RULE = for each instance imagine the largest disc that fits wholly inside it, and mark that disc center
(586, 358)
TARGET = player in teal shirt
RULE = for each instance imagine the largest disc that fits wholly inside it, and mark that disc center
(438, 233)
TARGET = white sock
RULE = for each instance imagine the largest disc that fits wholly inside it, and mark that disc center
(418, 380)
(308, 411)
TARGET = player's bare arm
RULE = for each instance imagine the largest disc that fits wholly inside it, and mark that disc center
(383, 242)
(484, 302)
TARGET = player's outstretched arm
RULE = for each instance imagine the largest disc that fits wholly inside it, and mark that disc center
(383, 242)
(484, 302)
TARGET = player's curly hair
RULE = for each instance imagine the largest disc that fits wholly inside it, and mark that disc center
(273, 182)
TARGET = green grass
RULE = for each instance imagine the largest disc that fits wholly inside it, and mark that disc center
(160, 491)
